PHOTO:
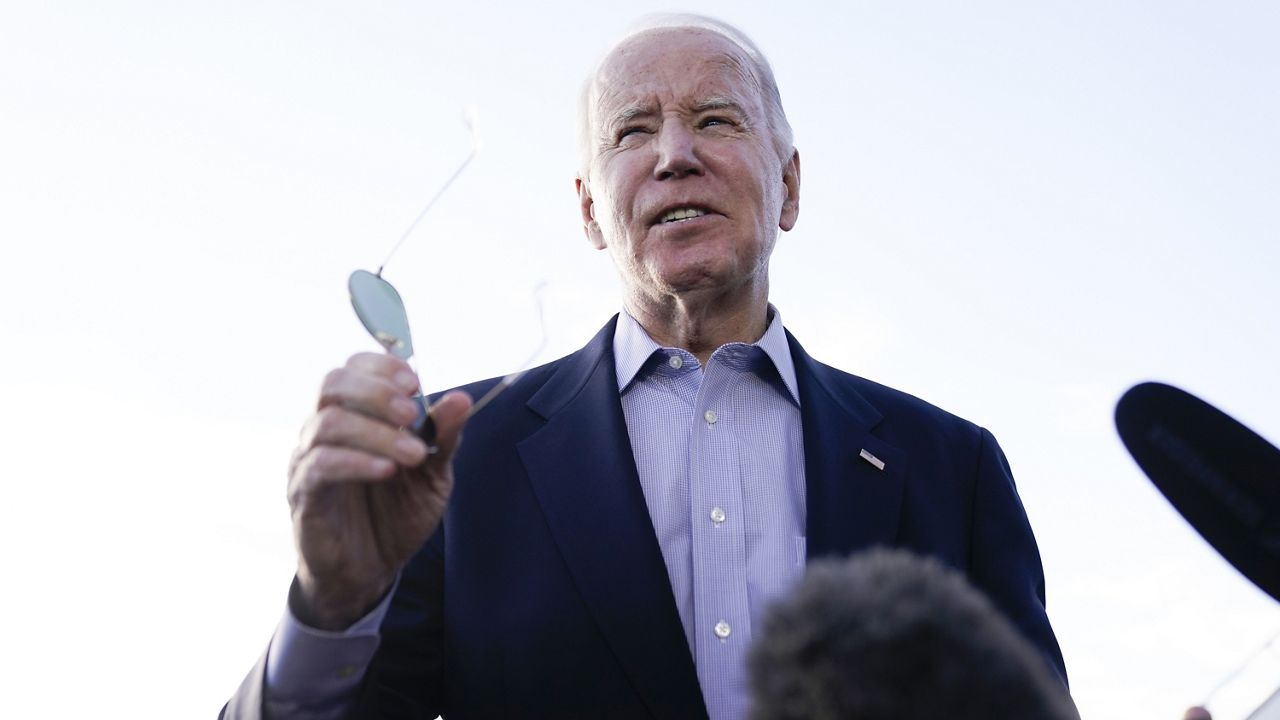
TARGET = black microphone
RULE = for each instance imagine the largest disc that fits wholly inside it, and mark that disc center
(1223, 477)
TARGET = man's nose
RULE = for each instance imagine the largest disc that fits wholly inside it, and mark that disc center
(677, 150)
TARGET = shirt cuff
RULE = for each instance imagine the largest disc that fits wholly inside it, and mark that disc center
(311, 670)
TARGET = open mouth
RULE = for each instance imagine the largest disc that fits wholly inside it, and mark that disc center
(683, 214)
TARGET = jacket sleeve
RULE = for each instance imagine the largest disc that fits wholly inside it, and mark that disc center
(246, 704)
(405, 679)
(309, 674)
(1004, 561)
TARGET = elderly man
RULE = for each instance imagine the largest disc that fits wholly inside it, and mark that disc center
(605, 540)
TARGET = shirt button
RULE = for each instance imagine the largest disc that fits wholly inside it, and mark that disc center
(722, 630)
(675, 361)
(717, 515)
(710, 417)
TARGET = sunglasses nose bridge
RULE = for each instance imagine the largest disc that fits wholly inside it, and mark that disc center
(392, 344)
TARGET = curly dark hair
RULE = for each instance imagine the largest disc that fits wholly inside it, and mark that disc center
(889, 635)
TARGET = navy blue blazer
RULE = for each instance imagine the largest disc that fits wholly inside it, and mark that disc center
(544, 593)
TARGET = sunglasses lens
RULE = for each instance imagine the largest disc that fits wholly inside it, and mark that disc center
(380, 308)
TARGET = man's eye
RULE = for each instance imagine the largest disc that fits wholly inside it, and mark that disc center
(711, 121)
(628, 131)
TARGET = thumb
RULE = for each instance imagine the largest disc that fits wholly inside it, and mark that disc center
(449, 415)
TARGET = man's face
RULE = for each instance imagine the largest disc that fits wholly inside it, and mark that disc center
(685, 186)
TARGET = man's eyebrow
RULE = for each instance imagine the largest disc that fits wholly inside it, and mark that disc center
(631, 112)
(718, 103)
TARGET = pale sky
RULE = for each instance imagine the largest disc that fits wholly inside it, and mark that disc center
(1014, 210)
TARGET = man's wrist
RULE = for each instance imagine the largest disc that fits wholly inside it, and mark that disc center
(332, 609)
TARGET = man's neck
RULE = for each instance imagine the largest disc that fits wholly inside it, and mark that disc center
(700, 325)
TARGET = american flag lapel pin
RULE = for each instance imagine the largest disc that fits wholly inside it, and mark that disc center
(875, 461)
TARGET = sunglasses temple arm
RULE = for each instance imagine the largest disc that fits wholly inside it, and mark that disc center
(510, 380)
(425, 425)
(413, 225)
(494, 392)
(1239, 668)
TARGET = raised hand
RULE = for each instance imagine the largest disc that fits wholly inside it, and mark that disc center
(364, 493)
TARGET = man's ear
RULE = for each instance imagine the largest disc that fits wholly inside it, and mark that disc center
(791, 182)
(588, 208)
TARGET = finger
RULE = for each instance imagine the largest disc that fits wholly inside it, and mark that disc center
(372, 395)
(330, 464)
(387, 366)
(450, 415)
(342, 427)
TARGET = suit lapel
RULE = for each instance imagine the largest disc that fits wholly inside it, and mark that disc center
(851, 503)
(584, 476)
(583, 473)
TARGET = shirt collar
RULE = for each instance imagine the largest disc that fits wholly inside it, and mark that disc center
(632, 347)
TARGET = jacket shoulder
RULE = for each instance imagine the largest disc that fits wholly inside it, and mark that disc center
(901, 412)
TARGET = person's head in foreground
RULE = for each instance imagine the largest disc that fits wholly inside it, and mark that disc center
(888, 635)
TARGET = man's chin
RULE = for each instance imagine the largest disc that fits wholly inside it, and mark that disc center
(703, 281)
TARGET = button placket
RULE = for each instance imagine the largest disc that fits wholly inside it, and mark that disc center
(719, 542)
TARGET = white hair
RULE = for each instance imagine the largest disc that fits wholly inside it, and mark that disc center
(758, 64)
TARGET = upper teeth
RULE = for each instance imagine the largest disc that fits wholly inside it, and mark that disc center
(683, 214)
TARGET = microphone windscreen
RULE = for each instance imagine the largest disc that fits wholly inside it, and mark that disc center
(1223, 477)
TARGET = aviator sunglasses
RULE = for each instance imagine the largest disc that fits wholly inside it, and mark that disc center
(381, 310)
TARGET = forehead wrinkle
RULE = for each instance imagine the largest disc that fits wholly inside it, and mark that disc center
(645, 110)
(742, 70)
(612, 82)
(612, 70)
(716, 99)
(713, 41)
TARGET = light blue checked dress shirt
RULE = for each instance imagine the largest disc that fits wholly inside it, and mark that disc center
(720, 455)
(721, 462)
